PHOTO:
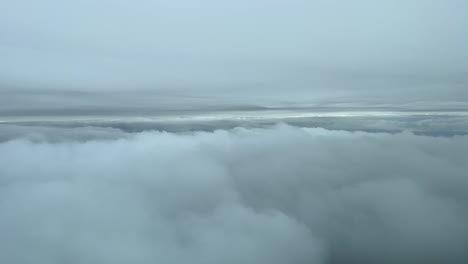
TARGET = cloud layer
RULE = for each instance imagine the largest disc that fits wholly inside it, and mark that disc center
(65, 129)
(232, 51)
(276, 195)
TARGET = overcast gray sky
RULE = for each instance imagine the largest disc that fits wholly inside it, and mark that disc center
(242, 49)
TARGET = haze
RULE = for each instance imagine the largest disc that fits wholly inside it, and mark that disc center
(231, 52)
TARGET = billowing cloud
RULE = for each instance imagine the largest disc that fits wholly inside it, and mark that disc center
(267, 195)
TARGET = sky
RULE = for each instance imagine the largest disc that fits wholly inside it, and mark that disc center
(238, 52)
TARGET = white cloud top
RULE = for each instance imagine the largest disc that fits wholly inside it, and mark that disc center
(277, 195)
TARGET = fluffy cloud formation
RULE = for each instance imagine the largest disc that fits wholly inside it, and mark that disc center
(277, 195)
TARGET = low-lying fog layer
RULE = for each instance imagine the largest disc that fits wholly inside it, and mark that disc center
(279, 194)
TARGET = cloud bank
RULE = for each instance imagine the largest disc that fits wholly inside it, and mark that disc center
(67, 129)
(277, 195)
